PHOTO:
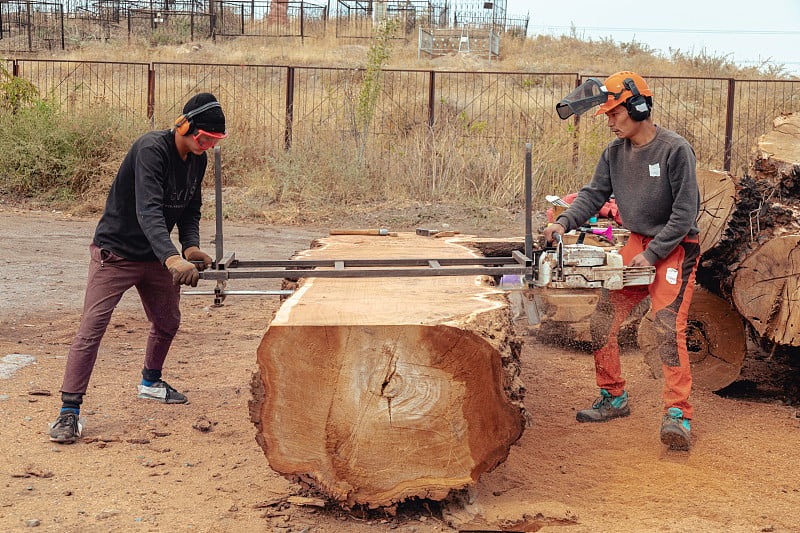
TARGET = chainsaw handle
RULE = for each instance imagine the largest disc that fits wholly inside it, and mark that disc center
(559, 255)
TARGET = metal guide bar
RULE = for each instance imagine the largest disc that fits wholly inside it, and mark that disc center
(516, 264)
(201, 292)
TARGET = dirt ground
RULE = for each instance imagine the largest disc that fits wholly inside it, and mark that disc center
(144, 466)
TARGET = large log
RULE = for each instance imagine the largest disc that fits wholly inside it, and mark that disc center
(752, 264)
(376, 390)
(767, 207)
(766, 290)
(765, 287)
(778, 154)
(717, 202)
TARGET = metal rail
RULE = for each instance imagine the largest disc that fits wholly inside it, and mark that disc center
(516, 264)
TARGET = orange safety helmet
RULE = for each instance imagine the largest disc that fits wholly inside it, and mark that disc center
(619, 93)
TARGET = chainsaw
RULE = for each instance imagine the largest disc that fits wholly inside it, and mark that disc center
(581, 266)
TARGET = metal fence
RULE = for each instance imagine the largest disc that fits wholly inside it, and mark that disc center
(76, 85)
(491, 112)
(26, 25)
(237, 18)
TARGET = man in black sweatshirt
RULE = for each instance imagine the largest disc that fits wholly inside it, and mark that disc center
(651, 172)
(156, 189)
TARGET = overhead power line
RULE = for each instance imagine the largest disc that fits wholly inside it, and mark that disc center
(709, 31)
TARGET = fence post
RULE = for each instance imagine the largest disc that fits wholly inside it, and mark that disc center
(726, 164)
(61, 17)
(151, 96)
(30, 27)
(431, 98)
(302, 20)
(212, 20)
(576, 132)
(287, 136)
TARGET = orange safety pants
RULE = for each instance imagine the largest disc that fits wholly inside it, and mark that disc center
(671, 294)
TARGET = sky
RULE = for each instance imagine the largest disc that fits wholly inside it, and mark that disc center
(747, 33)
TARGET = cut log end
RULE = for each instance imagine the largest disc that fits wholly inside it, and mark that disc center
(717, 203)
(376, 415)
(766, 290)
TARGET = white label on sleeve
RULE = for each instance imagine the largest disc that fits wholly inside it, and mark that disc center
(655, 170)
(672, 276)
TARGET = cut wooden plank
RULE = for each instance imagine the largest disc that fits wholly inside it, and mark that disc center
(376, 390)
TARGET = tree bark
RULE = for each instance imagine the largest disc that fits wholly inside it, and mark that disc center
(376, 390)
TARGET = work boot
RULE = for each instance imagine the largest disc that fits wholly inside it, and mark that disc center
(605, 408)
(67, 428)
(161, 391)
(676, 430)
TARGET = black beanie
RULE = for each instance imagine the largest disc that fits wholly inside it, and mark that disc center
(211, 120)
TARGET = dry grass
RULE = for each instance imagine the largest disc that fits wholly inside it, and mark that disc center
(534, 54)
(320, 181)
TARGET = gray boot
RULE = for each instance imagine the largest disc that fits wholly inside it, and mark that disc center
(605, 408)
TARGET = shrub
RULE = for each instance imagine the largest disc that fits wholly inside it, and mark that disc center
(57, 156)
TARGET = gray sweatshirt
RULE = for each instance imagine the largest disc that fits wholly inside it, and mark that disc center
(655, 188)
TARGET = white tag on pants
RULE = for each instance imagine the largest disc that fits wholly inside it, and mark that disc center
(672, 276)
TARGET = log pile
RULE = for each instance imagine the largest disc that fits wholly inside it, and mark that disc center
(376, 390)
(755, 263)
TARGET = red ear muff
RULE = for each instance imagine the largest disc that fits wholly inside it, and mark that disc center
(183, 124)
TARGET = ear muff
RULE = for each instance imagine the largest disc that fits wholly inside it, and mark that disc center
(183, 124)
(637, 105)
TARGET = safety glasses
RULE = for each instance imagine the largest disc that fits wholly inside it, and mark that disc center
(207, 139)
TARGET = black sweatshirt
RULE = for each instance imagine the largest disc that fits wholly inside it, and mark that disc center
(154, 191)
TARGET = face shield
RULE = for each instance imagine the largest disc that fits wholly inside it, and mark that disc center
(584, 97)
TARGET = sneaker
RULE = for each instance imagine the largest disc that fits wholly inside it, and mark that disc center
(675, 430)
(161, 391)
(605, 408)
(67, 428)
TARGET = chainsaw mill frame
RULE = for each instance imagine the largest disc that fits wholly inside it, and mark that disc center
(524, 267)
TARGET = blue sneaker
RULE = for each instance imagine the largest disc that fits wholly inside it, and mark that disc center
(605, 408)
(676, 430)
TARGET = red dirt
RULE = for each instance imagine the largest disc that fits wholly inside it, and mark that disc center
(144, 466)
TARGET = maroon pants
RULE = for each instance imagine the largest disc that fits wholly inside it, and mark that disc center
(109, 277)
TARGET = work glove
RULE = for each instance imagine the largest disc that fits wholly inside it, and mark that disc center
(193, 253)
(183, 272)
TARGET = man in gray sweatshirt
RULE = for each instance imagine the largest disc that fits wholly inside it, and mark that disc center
(651, 172)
